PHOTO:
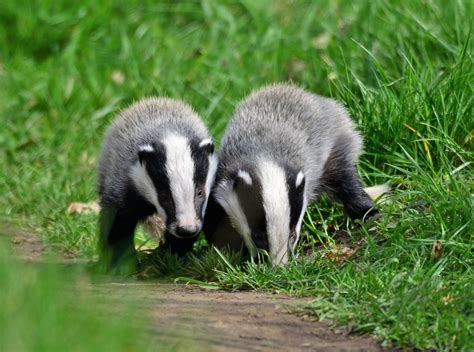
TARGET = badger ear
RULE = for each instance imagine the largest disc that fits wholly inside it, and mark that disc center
(243, 178)
(300, 180)
(144, 152)
(207, 145)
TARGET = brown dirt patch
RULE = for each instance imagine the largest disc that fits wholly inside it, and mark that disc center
(29, 247)
(191, 318)
(26, 246)
(230, 321)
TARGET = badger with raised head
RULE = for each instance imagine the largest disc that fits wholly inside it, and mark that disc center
(282, 148)
(157, 159)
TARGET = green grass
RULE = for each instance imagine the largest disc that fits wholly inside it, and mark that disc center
(48, 309)
(404, 69)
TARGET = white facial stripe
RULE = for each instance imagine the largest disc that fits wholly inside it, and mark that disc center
(227, 198)
(146, 148)
(277, 209)
(204, 142)
(145, 187)
(300, 221)
(211, 176)
(180, 170)
(299, 179)
(244, 175)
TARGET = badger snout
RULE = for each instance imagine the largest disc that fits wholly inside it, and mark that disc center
(187, 231)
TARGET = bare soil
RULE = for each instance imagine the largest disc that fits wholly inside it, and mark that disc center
(29, 247)
(190, 318)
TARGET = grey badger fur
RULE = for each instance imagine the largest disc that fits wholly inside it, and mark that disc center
(282, 148)
(157, 159)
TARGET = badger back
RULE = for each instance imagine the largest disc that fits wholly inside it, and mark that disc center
(290, 125)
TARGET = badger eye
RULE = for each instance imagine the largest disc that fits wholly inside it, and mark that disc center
(164, 197)
(199, 192)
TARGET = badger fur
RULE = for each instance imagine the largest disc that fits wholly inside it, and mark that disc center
(158, 159)
(282, 148)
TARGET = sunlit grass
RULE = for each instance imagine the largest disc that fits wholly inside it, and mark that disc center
(404, 69)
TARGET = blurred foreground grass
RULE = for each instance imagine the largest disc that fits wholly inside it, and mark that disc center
(47, 308)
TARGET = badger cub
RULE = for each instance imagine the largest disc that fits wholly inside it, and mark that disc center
(282, 148)
(157, 158)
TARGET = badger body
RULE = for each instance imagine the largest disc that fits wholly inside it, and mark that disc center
(282, 148)
(157, 159)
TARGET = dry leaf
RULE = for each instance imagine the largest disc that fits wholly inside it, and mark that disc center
(337, 255)
(436, 249)
(118, 77)
(447, 299)
(81, 208)
(321, 41)
(296, 66)
(155, 227)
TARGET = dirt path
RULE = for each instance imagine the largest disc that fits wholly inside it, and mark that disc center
(201, 320)
(229, 321)
(30, 248)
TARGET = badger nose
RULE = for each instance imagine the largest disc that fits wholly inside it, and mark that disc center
(187, 231)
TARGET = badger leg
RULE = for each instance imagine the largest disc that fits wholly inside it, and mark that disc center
(179, 246)
(117, 251)
(218, 228)
(341, 181)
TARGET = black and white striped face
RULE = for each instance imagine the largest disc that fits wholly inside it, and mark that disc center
(266, 206)
(176, 176)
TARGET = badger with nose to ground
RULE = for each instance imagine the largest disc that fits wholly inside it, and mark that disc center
(157, 159)
(282, 148)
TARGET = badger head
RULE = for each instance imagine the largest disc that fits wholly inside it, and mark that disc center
(175, 175)
(266, 204)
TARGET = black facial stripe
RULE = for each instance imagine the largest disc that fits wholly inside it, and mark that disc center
(260, 236)
(200, 158)
(201, 164)
(156, 168)
(251, 201)
(295, 197)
